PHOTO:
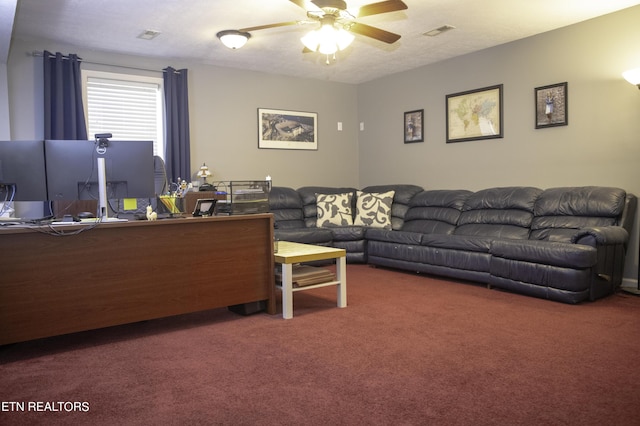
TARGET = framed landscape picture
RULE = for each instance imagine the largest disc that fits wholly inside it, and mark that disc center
(475, 114)
(414, 126)
(282, 129)
(551, 105)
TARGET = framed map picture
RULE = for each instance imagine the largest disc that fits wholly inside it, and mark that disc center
(280, 129)
(475, 114)
(551, 105)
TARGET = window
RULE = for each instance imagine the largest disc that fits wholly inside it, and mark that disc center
(130, 107)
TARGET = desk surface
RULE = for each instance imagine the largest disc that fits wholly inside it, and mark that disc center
(289, 252)
(75, 226)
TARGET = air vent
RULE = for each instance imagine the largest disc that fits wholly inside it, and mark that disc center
(149, 34)
(439, 30)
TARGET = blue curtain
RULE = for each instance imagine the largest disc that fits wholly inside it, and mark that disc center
(63, 111)
(177, 150)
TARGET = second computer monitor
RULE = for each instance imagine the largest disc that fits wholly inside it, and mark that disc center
(72, 171)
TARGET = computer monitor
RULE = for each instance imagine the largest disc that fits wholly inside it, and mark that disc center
(73, 169)
(22, 171)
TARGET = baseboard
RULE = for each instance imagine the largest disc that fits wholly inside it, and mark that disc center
(630, 286)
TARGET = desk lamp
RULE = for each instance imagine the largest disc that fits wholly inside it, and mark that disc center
(204, 173)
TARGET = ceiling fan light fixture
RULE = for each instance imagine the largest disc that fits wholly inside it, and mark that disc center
(327, 40)
(311, 40)
(344, 38)
(233, 39)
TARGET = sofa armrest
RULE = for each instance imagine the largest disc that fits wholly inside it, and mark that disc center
(606, 235)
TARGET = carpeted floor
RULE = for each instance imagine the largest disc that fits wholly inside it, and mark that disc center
(408, 350)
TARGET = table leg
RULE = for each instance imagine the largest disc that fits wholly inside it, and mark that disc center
(287, 290)
(341, 275)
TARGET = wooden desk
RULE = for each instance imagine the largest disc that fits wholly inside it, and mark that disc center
(118, 273)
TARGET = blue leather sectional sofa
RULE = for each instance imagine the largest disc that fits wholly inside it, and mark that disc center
(564, 244)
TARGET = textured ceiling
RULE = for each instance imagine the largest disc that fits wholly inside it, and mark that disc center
(188, 31)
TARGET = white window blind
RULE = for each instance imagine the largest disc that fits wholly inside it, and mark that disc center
(128, 107)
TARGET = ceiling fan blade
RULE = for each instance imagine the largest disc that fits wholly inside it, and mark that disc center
(381, 7)
(373, 32)
(300, 3)
(264, 27)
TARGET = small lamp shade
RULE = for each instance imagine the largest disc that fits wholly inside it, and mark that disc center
(204, 172)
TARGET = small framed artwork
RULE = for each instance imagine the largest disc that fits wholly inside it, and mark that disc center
(475, 114)
(414, 126)
(282, 129)
(551, 105)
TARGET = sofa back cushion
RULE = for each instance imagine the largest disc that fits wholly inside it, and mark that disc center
(402, 195)
(499, 213)
(309, 207)
(286, 206)
(560, 211)
(435, 211)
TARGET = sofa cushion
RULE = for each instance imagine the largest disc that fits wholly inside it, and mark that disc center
(559, 212)
(457, 242)
(435, 211)
(400, 237)
(286, 206)
(403, 193)
(308, 197)
(334, 210)
(316, 236)
(576, 256)
(373, 209)
(498, 212)
(348, 233)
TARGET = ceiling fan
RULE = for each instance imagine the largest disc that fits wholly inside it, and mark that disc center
(337, 23)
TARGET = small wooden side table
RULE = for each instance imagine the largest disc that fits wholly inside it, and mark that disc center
(289, 253)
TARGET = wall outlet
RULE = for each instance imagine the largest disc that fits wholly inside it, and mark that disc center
(362, 126)
(339, 126)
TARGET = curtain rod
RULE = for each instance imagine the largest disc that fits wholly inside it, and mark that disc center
(39, 54)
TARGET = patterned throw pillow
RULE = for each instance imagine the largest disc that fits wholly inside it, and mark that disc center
(374, 209)
(334, 210)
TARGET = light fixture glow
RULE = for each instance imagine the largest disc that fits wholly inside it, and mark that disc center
(233, 39)
(632, 76)
(327, 40)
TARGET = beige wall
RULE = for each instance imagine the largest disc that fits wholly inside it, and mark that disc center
(223, 114)
(600, 146)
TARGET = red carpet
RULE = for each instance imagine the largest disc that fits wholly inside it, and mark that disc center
(408, 350)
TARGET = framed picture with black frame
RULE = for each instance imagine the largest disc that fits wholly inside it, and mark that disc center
(475, 114)
(414, 126)
(204, 207)
(283, 129)
(551, 105)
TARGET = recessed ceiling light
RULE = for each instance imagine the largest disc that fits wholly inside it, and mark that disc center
(149, 34)
(439, 30)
